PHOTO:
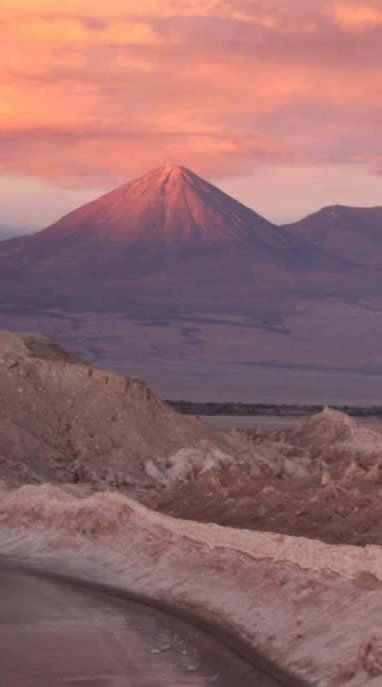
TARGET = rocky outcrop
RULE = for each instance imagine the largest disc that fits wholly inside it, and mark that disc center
(321, 479)
(33, 345)
(331, 434)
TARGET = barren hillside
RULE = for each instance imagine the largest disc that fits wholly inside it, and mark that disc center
(63, 420)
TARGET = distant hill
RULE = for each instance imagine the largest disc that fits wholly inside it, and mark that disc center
(349, 232)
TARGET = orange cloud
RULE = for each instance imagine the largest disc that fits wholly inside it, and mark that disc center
(118, 8)
(105, 90)
(357, 17)
(62, 30)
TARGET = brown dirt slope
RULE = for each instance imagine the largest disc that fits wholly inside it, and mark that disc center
(62, 420)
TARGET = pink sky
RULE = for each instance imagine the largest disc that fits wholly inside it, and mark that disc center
(279, 103)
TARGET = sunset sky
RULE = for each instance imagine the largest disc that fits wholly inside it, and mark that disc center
(279, 102)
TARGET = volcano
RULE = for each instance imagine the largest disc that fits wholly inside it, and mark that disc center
(169, 208)
(169, 205)
(168, 243)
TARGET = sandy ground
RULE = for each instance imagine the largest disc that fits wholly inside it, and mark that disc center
(54, 634)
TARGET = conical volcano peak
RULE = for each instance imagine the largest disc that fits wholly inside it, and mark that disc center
(168, 174)
(170, 169)
(169, 205)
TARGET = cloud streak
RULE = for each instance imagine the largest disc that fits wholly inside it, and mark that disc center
(104, 91)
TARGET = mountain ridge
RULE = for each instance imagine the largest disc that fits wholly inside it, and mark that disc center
(355, 233)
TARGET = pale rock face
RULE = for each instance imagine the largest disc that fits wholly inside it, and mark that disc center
(189, 462)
